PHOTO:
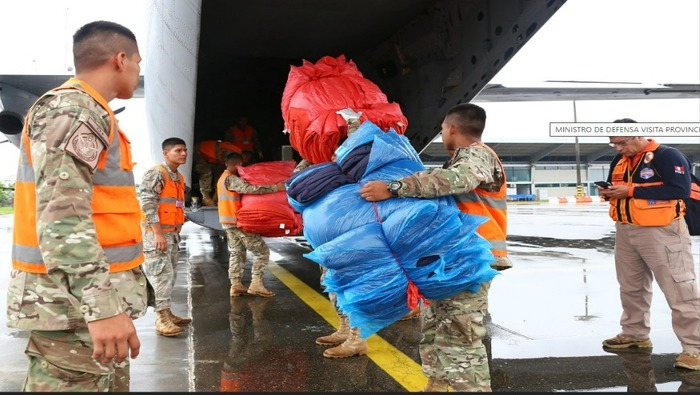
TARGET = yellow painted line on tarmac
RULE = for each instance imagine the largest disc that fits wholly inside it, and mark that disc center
(398, 365)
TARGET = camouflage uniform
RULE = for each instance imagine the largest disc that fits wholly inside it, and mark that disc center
(78, 287)
(468, 168)
(451, 347)
(302, 165)
(160, 266)
(240, 241)
(343, 346)
(204, 172)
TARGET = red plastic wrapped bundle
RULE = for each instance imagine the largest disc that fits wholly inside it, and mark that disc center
(266, 173)
(268, 214)
(269, 219)
(313, 94)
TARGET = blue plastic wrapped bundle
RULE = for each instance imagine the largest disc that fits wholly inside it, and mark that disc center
(382, 257)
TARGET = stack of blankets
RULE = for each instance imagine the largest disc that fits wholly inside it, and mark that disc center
(383, 257)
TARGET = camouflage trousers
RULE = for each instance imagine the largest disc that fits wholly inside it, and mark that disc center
(332, 296)
(160, 267)
(451, 347)
(239, 243)
(204, 172)
(207, 174)
(62, 361)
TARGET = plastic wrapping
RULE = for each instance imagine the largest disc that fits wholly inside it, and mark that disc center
(383, 257)
(268, 214)
(316, 92)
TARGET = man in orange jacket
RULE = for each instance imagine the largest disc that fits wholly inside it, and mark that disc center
(474, 176)
(209, 157)
(76, 282)
(649, 182)
(230, 187)
(162, 195)
(244, 136)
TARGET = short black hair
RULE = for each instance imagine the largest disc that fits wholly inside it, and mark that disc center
(468, 118)
(95, 42)
(171, 142)
(233, 157)
(625, 120)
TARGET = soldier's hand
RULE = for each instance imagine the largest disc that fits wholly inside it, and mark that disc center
(114, 339)
(160, 242)
(375, 191)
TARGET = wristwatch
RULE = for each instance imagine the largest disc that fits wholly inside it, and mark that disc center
(394, 187)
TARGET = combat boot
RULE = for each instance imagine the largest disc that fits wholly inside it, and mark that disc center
(237, 288)
(354, 345)
(165, 327)
(337, 337)
(435, 386)
(207, 200)
(257, 288)
(178, 320)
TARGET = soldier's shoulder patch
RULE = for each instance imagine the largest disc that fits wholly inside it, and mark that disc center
(86, 145)
(98, 130)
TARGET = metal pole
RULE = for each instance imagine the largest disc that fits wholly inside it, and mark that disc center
(579, 187)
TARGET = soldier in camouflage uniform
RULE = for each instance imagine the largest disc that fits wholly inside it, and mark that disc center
(208, 165)
(203, 170)
(161, 237)
(229, 187)
(205, 174)
(77, 293)
(345, 341)
(452, 351)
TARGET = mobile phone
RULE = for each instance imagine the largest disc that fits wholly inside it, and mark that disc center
(603, 184)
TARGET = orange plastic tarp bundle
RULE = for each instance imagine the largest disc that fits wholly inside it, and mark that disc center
(316, 91)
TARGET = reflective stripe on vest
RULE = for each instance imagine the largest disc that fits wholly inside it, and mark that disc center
(115, 209)
(171, 207)
(491, 205)
(229, 201)
(642, 212)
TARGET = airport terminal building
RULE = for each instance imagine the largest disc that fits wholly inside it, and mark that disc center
(541, 167)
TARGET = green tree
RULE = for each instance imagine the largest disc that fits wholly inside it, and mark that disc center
(6, 194)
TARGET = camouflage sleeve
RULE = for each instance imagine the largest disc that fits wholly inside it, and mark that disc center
(470, 167)
(237, 184)
(303, 164)
(64, 153)
(151, 186)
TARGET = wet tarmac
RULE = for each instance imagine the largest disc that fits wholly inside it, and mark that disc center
(548, 316)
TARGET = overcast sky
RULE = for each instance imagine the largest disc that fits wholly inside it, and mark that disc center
(646, 41)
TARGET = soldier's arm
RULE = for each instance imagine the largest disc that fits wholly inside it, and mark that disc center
(150, 189)
(237, 184)
(473, 167)
(65, 149)
(302, 165)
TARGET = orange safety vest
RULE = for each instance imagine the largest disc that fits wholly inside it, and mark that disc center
(171, 207)
(115, 206)
(243, 138)
(491, 205)
(642, 212)
(229, 201)
(214, 151)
